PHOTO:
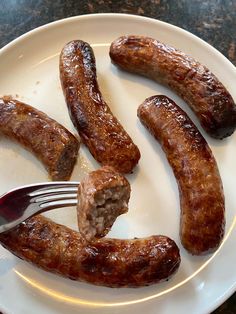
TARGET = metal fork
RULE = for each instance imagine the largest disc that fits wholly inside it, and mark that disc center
(21, 203)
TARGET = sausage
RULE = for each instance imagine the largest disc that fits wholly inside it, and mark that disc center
(52, 143)
(198, 86)
(100, 131)
(202, 204)
(107, 262)
(103, 195)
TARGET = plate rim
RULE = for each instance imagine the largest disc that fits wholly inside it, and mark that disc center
(119, 15)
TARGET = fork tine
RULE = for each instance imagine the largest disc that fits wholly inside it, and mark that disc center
(54, 197)
(50, 187)
(59, 189)
(57, 204)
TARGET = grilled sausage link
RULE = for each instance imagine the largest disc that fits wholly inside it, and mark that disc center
(201, 193)
(103, 195)
(52, 143)
(192, 81)
(107, 262)
(100, 131)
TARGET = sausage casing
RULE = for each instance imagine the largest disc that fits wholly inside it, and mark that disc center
(100, 131)
(198, 86)
(107, 262)
(201, 193)
(52, 143)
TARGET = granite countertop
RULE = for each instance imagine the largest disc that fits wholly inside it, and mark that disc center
(213, 21)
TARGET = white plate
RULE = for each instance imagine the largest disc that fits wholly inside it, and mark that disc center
(29, 71)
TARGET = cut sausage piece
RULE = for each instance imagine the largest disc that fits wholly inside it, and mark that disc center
(198, 86)
(102, 196)
(100, 131)
(201, 193)
(52, 143)
(106, 262)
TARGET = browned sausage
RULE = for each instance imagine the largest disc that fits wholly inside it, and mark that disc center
(201, 193)
(103, 195)
(192, 81)
(53, 144)
(100, 131)
(107, 262)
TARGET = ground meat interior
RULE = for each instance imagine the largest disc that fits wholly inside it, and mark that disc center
(106, 206)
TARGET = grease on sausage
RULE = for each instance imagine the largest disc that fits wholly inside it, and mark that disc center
(197, 85)
(107, 262)
(52, 143)
(201, 193)
(100, 131)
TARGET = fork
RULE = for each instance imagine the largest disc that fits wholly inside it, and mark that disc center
(21, 203)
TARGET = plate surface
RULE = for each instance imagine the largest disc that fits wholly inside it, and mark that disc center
(29, 72)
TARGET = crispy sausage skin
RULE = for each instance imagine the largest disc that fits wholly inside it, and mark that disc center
(103, 195)
(107, 262)
(100, 131)
(192, 81)
(201, 193)
(52, 143)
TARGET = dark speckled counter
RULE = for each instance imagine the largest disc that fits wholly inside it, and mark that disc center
(212, 20)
